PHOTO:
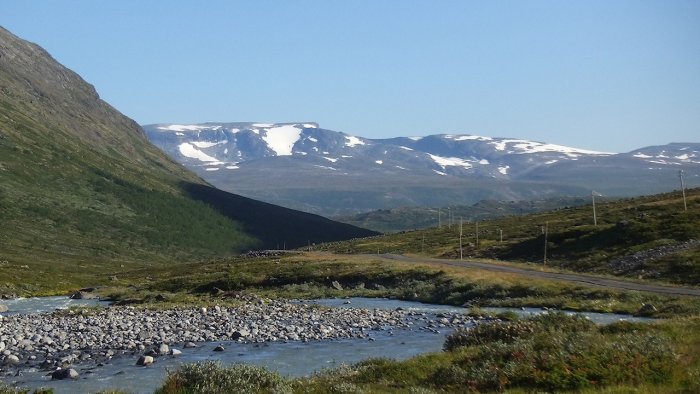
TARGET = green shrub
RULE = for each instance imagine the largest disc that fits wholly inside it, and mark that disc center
(561, 322)
(489, 332)
(556, 352)
(622, 327)
(7, 389)
(213, 377)
(508, 316)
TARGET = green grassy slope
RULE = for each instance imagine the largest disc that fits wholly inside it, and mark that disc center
(81, 188)
(648, 237)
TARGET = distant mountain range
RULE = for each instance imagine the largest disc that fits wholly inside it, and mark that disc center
(81, 187)
(303, 166)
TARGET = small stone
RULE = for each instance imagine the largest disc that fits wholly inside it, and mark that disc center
(175, 352)
(163, 349)
(189, 345)
(219, 348)
(3, 308)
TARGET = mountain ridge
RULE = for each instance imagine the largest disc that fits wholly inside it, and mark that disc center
(315, 168)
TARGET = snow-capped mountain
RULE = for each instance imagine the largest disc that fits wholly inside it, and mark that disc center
(306, 167)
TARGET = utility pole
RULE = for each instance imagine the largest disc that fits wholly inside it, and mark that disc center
(546, 225)
(461, 256)
(685, 204)
(595, 218)
(500, 230)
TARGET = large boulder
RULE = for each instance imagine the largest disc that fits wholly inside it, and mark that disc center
(163, 349)
(65, 373)
(144, 360)
(646, 310)
(82, 295)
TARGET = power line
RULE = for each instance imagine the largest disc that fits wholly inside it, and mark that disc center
(685, 204)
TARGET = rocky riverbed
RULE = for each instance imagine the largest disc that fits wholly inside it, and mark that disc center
(62, 339)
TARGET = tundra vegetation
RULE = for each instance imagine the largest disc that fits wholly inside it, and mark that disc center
(651, 237)
(549, 353)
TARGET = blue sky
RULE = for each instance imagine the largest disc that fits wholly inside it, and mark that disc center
(604, 75)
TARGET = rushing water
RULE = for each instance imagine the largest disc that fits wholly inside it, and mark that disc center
(45, 304)
(291, 359)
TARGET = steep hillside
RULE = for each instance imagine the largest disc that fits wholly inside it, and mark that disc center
(333, 173)
(80, 184)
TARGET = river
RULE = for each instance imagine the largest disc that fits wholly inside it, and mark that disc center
(122, 373)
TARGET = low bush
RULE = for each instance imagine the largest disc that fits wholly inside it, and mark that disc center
(489, 332)
(556, 352)
(213, 377)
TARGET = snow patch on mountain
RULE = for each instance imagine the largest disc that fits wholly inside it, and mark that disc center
(503, 170)
(450, 162)
(188, 150)
(181, 127)
(642, 155)
(468, 137)
(282, 139)
(524, 147)
(537, 147)
(208, 144)
(352, 141)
